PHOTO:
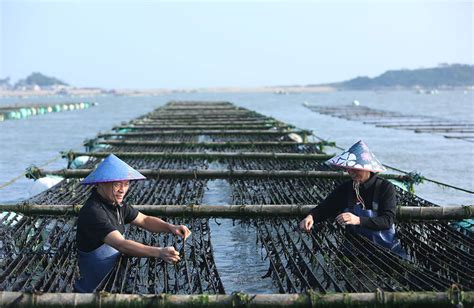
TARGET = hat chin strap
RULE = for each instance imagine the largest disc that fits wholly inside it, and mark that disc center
(356, 185)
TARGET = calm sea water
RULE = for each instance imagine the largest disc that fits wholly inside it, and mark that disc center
(39, 139)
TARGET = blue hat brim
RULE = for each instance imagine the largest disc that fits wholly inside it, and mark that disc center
(112, 169)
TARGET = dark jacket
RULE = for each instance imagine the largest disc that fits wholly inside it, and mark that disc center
(97, 218)
(337, 201)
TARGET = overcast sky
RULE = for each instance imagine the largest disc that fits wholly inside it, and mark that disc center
(156, 44)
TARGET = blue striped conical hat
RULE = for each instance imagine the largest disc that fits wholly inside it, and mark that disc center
(358, 157)
(112, 169)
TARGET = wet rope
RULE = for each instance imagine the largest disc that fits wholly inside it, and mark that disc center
(24, 173)
(422, 178)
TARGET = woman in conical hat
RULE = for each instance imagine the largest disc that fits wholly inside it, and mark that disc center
(366, 204)
(102, 220)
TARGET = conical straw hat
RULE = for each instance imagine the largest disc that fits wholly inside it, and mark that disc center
(358, 157)
(112, 169)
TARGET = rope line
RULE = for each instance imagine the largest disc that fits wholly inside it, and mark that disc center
(24, 173)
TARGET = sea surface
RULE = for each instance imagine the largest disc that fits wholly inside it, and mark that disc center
(39, 139)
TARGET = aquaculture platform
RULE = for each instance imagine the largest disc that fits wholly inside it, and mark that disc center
(397, 120)
(182, 147)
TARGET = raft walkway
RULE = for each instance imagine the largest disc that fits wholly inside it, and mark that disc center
(262, 167)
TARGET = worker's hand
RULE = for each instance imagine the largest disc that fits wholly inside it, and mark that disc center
(180, 230)
(307, 223)
(348, 219)
(168, 254)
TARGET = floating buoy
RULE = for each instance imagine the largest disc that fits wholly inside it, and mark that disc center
(79, 161)
(43, 184)
(295, 137)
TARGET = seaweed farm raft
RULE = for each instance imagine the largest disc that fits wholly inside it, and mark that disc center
(268, 177)
(396, 120)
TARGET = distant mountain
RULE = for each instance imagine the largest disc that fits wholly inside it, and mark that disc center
(5, 83)
(38, 79)
(443, 76)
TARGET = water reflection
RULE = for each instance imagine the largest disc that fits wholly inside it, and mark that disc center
(235, 247)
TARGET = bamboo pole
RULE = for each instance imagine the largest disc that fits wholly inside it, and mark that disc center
(216, 144)
(205, 132)
(209, 114)
(460, 137)
(201, 126)
(428, 125)
(203, 155)
(204, 117)
(206, 121)
(444, 130)
(378, 298)
(181, 110)
(186, 115)
(427, 213)
(404, 213)
(34, 172)
(181, 103)
(208, 107)
(202, 107)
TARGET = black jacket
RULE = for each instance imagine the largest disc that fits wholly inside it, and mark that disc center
(337, 201)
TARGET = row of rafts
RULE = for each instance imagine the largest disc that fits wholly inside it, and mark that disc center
(37, 253)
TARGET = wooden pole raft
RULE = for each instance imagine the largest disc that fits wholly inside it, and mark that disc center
(203, 155)
(35, 173)
(238, 299)
(404, 213)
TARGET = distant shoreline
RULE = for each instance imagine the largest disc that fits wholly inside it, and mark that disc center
(151, 92)
(280, 90)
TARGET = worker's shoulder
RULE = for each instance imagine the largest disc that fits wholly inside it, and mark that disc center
(345, 185)
(385, 184)
(90, 207)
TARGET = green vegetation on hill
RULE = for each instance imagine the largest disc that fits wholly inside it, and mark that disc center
(39, 80)
(455, 75)
(5, 81)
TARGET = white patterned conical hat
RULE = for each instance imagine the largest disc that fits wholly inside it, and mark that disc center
(358, 157)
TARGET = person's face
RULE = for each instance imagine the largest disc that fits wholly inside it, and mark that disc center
(359, 175)
(114, 192)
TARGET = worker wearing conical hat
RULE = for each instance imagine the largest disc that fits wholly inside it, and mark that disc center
(366, 204)
(101, 225)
